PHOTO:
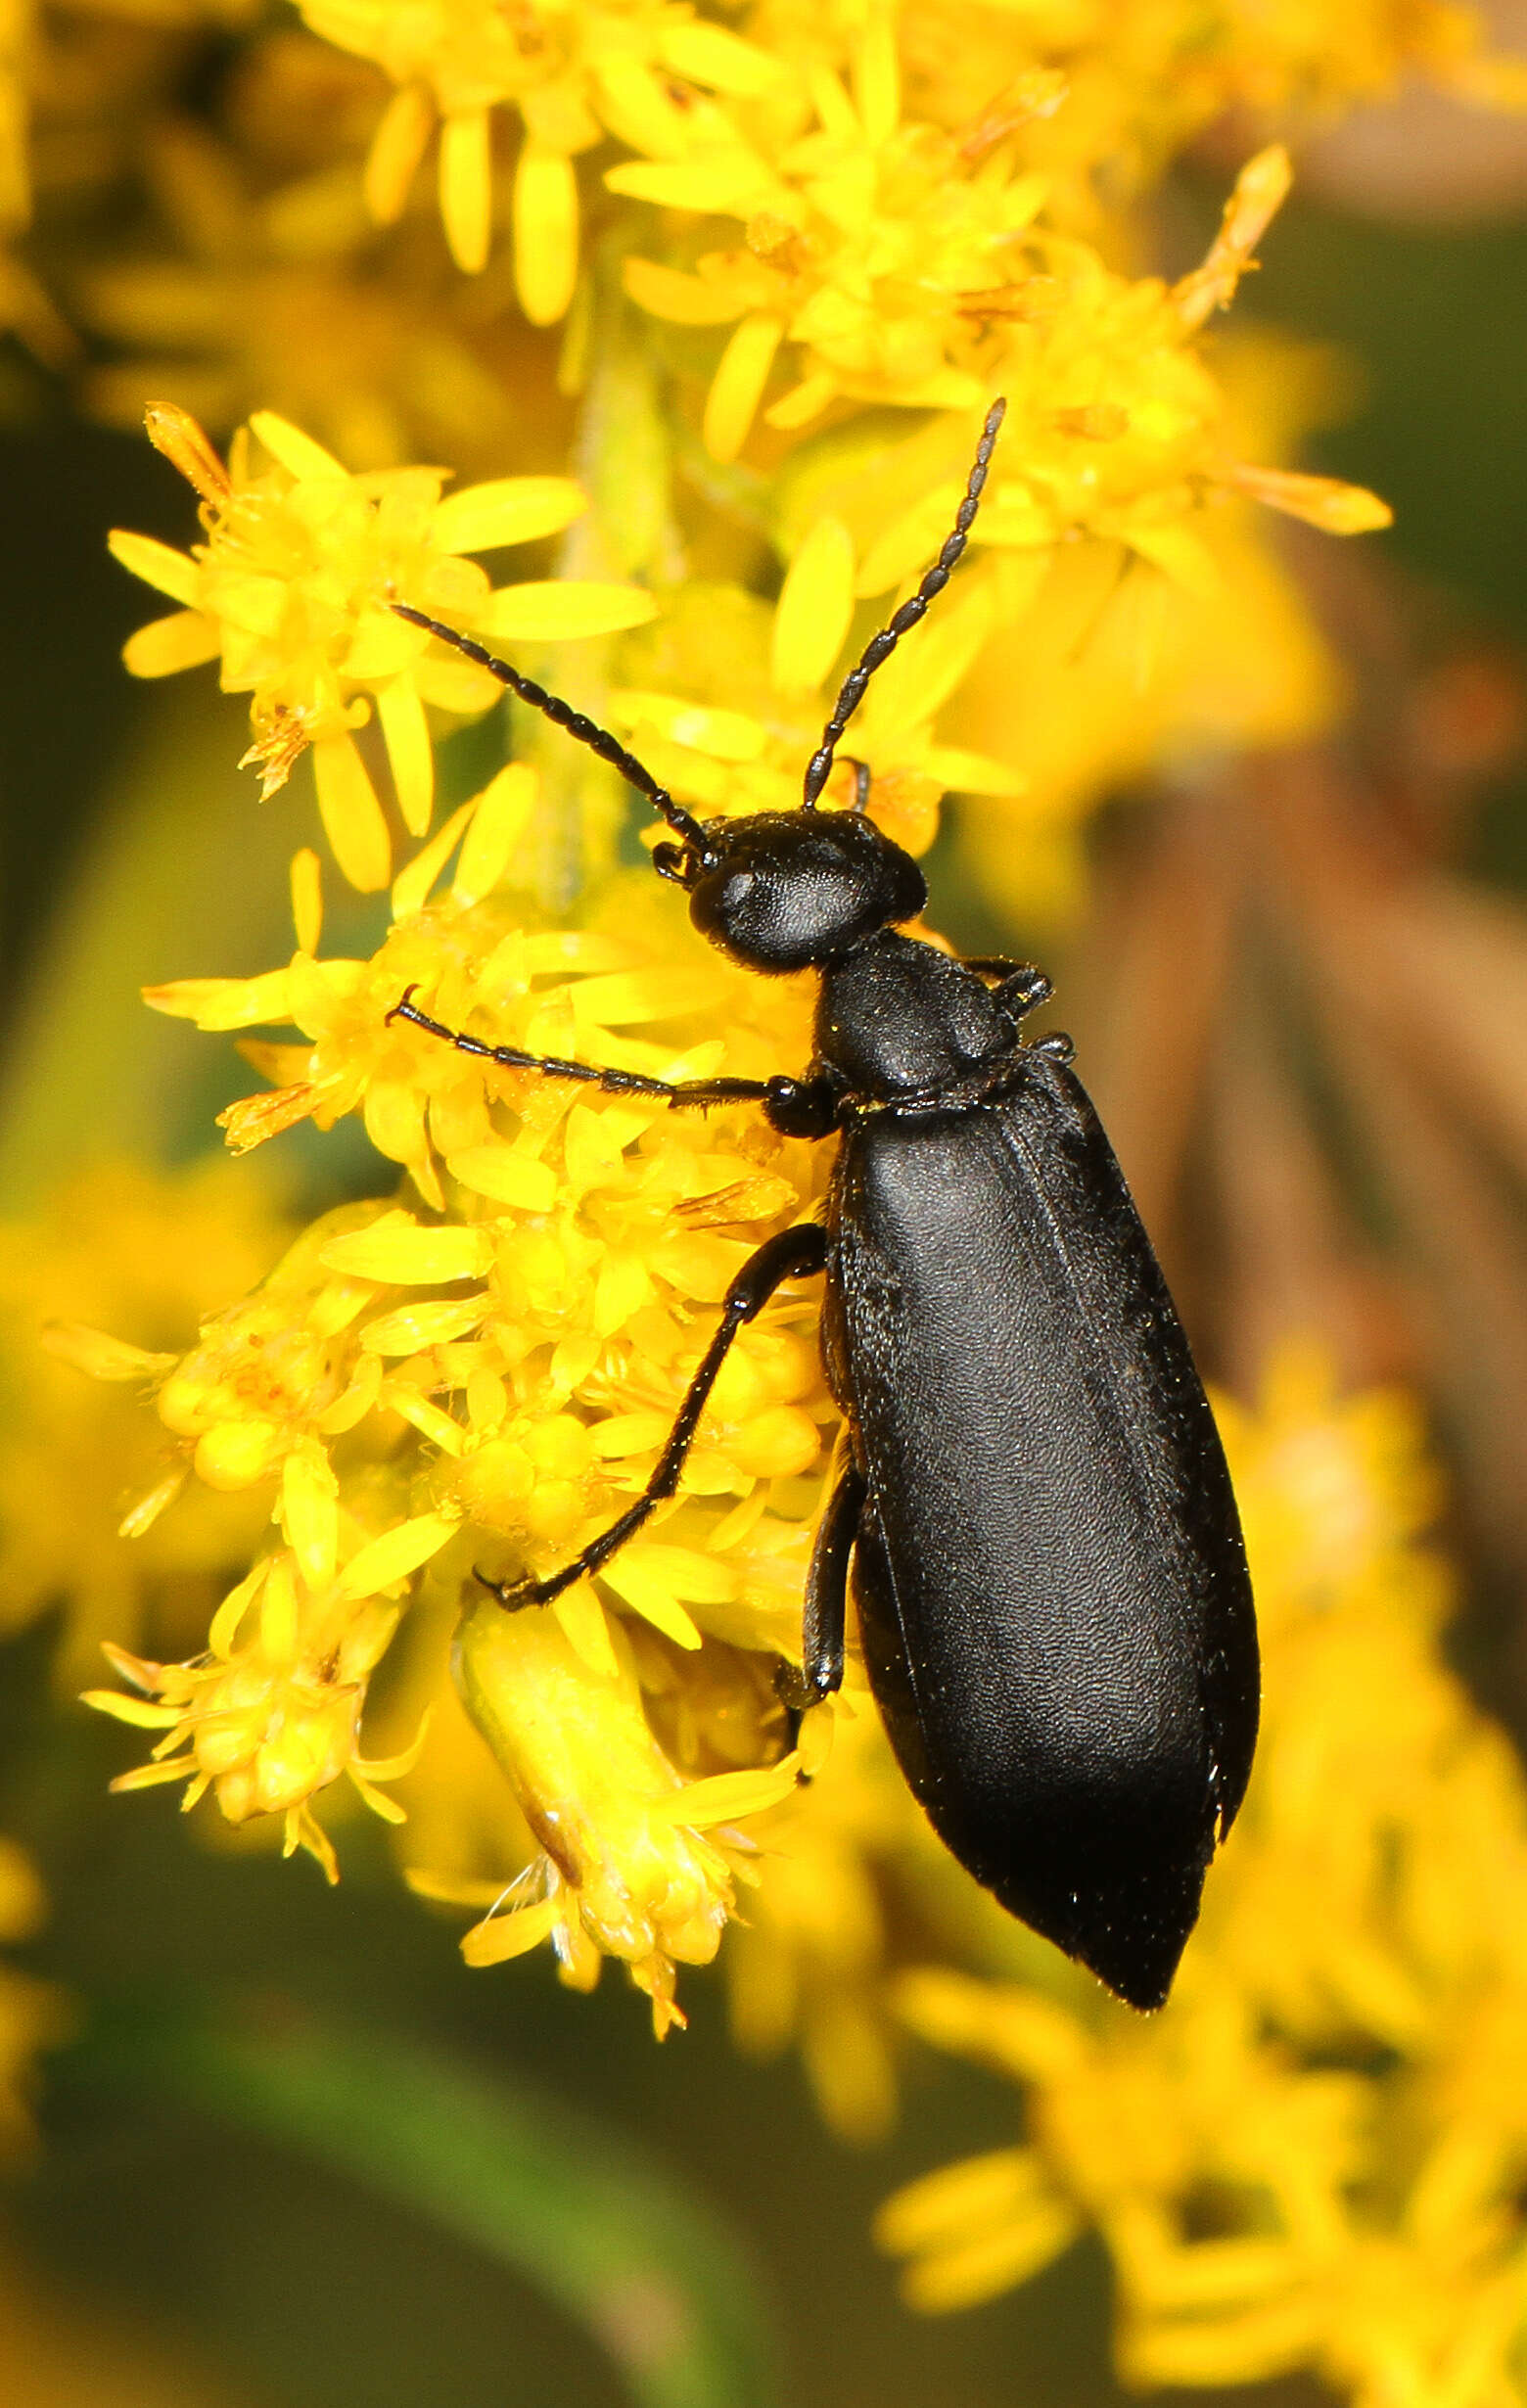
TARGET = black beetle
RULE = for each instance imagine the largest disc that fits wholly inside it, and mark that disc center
(1047, 1562)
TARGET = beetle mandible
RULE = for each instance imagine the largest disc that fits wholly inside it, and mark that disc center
(1046, 1558)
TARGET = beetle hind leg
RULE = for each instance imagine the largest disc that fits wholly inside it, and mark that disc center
(826, 1613)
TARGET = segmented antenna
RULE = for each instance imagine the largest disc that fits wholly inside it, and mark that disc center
(880, 647)
(562, 715)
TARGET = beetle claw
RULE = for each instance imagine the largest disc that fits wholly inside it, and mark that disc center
(512, 1594)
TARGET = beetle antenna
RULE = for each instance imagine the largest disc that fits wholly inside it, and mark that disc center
(562, 715)
(880, 647)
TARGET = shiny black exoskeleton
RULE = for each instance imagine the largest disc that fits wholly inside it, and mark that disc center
(1045, 1554)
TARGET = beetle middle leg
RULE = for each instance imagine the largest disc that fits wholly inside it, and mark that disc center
(797, 1253)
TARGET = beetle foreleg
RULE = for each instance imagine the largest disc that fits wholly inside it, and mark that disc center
(1019, 987)
(797, 1253)
(825, 1612)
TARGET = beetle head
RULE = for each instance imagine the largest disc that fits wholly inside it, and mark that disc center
(786, 890)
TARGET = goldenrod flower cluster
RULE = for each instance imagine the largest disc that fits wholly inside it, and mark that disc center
(712, 326)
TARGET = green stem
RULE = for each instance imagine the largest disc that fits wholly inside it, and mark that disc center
(537, 2187)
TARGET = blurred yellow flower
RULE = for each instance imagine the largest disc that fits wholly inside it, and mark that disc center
(240, 297)
(33, 2015)
(292, 592)
(572, 70)
(143, 1255)
(1101, 95)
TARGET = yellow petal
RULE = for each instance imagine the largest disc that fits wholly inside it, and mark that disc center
(652, 1598)
(545, 232)
(727, 1797)
(167, 572)
(587, 1629)
(504, 1936)
(466, 189)
(383, 645)
(737, 387)
(99, 1356)
(388, 1808)
(425, 1416)
(506, 510)
(393, 1767)
(406, 735)
(145, 1513)
(963, 773)
(450, 1890)
(397, 1553)
(816, 605)
(502, 813)
(1185, 557)
(184, 640)
(351, 815)
(223, 1637)
(397, 148)
(309, 1513)
(1261, 189)
(402, 1252)
(138, 1711)
(175, 432)
(734, 183)
(564, 608)
(801, 405)
(411, 886)
(508, 1178)
(306, 898)
(415, 1326)
(727, 735)
(684, 301)
(294, 449)
(877, 88)
(152, 1776)
(225, 1003)
(971, 2194)
(709, 55)
(1324, 501)
(255, 1119)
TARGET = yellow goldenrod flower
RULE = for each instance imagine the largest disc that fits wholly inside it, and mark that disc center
(627, 1871)
(868, 244)
(572, 71)
(508, 1368)
(271, 1714)
(291, 591)
(144, 1256)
